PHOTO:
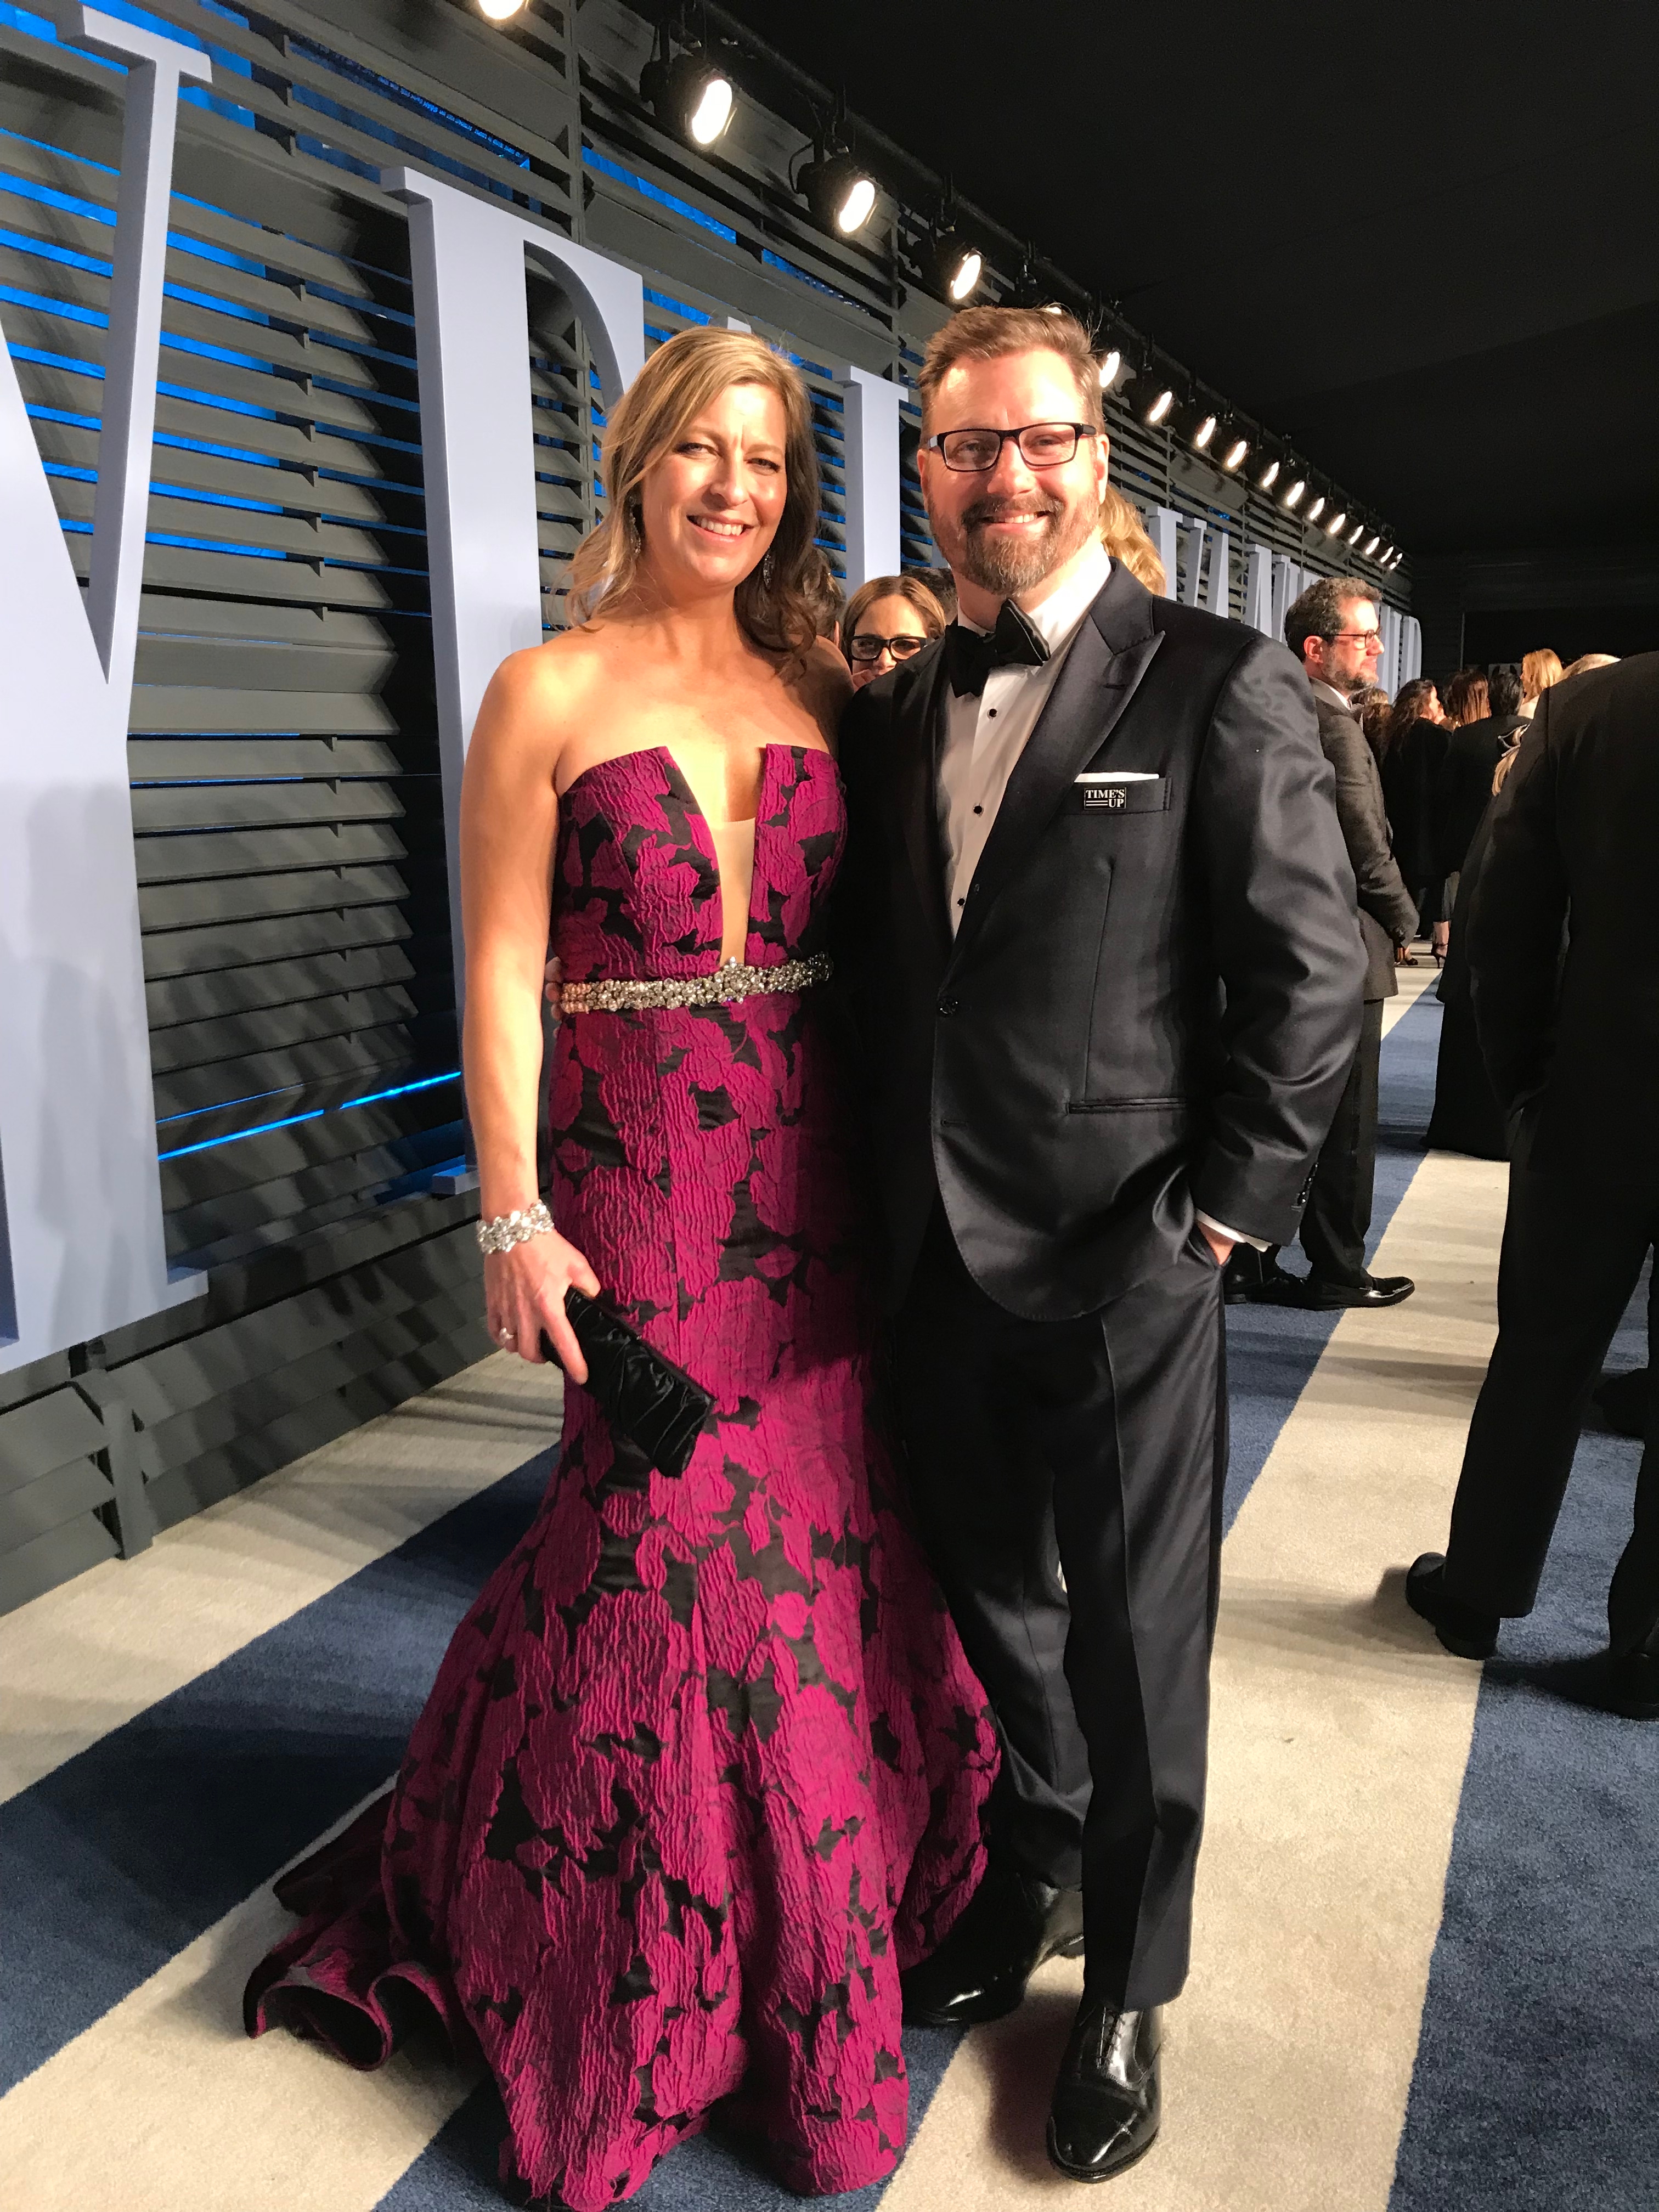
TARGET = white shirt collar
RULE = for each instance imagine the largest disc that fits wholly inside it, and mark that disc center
(1330, 692)
(1063, 610)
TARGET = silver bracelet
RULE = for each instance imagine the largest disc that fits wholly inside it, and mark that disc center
(507, 1230)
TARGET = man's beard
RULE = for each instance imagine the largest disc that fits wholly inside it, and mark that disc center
(1011, 567)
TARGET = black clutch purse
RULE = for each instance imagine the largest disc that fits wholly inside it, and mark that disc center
(648, 1402)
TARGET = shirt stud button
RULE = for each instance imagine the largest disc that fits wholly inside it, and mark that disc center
(949, 1005)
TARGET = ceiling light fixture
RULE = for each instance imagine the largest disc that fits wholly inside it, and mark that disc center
(1110, 363)
(1202, 435)
(841, 194)
(1356, 534)
(1234, 456)
(1268, 478)
(689, 96)
(1370, 545)
(1160, 407)
(1317, 509)
(957, 265)
(501, 11)
(1336, 522)
(1293, 497)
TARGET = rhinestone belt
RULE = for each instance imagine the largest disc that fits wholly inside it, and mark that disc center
(725, 988)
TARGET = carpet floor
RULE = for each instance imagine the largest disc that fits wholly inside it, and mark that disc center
(1427, 1965)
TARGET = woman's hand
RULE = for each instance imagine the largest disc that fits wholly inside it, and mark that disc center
(524, 1294)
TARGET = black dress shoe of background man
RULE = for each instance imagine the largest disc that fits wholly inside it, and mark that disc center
(1629, 1686)
(1107, 2103)
(1461, 1628)
(1314, 1295)
(1011, 1924)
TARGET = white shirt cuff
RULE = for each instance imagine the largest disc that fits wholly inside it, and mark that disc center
(1234, 1235)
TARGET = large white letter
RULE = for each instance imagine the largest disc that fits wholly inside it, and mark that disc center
(472, 335)
(870, 433)
(82, 1249)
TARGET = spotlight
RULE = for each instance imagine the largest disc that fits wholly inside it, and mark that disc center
(501, 11)
(1159, 411)
(1203, 434)
(1370, 545)
(1317, 509)
(1386, 556)
(1294, 496)
(691, 96)
(1234, 456)
(1356, 534)
(955, 266)
(1268, 478)
(1110, 363)
(841, 194)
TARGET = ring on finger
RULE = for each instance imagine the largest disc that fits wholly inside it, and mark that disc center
(505, 1335)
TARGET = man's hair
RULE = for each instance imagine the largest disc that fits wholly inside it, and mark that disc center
(1466, 698)
(1321, 611)
(993, 333)
(943, 586)
(1503, 686)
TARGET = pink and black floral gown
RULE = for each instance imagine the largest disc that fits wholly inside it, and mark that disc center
(704, 1766)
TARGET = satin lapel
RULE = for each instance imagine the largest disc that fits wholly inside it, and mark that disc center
(921, 732)
(1109, 657)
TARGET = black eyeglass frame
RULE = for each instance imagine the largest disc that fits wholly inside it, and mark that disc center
(936, 444)
(907, 637)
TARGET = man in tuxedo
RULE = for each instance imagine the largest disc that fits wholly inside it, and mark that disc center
(1096, 922)
(1572, 1048)
(1463, 786)
(1333, 629)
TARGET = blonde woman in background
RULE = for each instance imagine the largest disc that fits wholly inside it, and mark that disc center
(1124, 536)
(1537, 672)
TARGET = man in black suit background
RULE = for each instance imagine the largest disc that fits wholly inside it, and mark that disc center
(1333, 628)
(1573, 1048)
(1463, 787)
(1097, 925)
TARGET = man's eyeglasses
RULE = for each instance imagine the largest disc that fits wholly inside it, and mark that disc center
(1359, 636)
(1041, 445)
(865, 648)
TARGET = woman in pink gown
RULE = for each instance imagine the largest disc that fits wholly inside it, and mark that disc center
(704, 1766)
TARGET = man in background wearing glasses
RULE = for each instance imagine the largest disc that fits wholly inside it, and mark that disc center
(1097, 924)
(1333, 629)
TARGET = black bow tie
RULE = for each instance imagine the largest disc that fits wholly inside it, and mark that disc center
(1014, 643)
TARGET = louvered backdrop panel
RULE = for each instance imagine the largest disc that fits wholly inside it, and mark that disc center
(283, 748)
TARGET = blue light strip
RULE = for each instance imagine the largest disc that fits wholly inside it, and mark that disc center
(316, 1113)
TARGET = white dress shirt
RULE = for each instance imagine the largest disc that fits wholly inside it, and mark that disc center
(985, 737)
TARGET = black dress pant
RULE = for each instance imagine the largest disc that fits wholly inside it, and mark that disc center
(1571, 1258)
(1337, 1217)
(1093, 1450)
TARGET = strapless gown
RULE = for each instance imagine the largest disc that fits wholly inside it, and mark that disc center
(704, 1766)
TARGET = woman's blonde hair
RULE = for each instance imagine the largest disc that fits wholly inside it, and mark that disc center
(1589, 661)
(1539, 670)
(1125, 539)
(683, 376)
(910, 589)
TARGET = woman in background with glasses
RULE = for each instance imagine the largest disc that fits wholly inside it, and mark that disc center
(886, 621)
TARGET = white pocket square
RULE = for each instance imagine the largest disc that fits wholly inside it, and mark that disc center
(1119, 775)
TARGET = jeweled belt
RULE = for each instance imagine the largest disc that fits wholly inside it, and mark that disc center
(725, 988)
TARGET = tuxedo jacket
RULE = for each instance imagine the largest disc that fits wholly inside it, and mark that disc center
(1154, 995)
(1386, 911)
(1572, 1044)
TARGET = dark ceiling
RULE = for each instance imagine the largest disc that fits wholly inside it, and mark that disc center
(1421, 240)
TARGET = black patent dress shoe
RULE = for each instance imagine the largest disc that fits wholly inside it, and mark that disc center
(1107, 2101)
(1314, 1295)
(1461, 1628)
(1011, 1924)
(1628, 1686)
(1253, 1277)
